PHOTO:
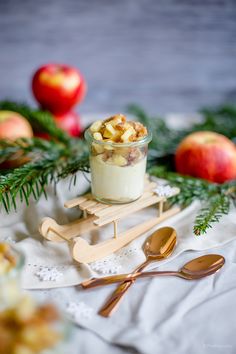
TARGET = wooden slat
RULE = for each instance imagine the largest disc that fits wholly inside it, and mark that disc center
(96, 208)
(116, 208)
(87, 204)
(130, 208)
(76, 201)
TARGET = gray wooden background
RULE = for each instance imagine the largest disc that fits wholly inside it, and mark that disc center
(166, 55)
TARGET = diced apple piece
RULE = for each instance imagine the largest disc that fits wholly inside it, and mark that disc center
(118, 119)
(97, 136)
(96, 126)
(126, 137)
(119, 160)
(109, 132)
(139, 129)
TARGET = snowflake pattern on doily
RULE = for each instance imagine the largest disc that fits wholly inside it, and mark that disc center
(164, 191)
(79, 310)
(46, 273)
(112, 264)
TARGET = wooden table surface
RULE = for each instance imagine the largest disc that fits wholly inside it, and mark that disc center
(166, 55)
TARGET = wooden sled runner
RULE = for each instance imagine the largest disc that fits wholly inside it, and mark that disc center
(96, 215)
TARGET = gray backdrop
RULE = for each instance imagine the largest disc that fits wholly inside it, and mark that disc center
(166, 55)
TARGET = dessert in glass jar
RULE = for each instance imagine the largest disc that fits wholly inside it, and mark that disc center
(11, 264)
(33, 329)
(118, 156)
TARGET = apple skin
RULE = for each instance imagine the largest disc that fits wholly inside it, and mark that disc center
(70, 122)
(14, 126)
(58, 87)
(207, 155)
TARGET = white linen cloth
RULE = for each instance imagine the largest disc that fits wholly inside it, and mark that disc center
(164, 315)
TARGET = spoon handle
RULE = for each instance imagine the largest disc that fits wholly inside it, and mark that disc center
(111, 279)
(112, 304)
(96, 282)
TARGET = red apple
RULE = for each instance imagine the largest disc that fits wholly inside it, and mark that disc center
(207, 155)
(70, 122)
(13, 126)
(58, 87)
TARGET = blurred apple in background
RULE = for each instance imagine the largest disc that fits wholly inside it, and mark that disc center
(70, 122)
(207, 155)
(58, 87)
(13, 126)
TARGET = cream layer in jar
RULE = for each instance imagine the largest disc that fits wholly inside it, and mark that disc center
(120, 183)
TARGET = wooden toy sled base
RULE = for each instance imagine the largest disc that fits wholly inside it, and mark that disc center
(82, 252)
(97, 214)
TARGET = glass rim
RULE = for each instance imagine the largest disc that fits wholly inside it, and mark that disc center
(145, 140)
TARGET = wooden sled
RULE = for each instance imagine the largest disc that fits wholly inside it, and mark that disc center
(96, 215)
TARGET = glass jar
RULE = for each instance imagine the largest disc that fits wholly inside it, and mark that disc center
(10, 289)
(117, 169)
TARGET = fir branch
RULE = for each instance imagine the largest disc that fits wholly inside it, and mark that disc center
(213, 210)
(221, 120)
(215, 198)
(50, 166)
(12, 150)
(191, 188)
(165, 140)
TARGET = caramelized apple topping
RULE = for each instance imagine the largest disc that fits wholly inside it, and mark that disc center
(118, 129)
(27, 328)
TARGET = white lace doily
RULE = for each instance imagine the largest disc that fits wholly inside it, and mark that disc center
(47, 273)
(113, 264)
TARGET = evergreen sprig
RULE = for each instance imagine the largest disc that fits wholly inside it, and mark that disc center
(47, 165)
(62, 156)
(215, 198)
(165, 139)
(214, 208)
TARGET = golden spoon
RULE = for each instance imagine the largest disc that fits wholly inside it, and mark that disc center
(195, 269)
(158, 246)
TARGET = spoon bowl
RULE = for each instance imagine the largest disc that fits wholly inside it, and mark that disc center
(160, 244)
(202, 266)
